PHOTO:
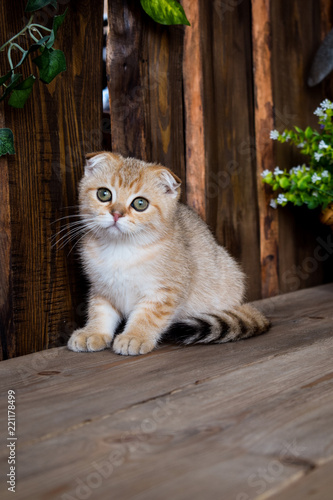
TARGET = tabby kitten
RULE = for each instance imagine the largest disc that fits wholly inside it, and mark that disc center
(153, 262)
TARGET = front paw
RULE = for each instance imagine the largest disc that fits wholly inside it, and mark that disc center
(84, 340)
(130, 344)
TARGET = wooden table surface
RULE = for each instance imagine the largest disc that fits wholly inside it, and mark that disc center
(240, 421)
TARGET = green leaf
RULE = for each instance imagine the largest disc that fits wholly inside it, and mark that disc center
(21, 93)
(6, 142)
(13, 83)
(33, 5)
(50, 63)
(303, 183)
(308, 132)
(268, 178)
(165, 11)
(57, 22)
(38, 44)
(4, 78)
(284, 182)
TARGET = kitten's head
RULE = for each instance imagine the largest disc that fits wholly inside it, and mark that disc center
(125, 198)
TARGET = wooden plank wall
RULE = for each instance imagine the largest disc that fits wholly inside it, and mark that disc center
(40, 286)
(145, 83)
(264, 122)
(231, 195)
(200, 100)
(296, 33)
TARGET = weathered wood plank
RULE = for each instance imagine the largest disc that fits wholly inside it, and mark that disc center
(301, 386)
(166, 122)
(229, 423)
(225, 431)
(326, 24)
(59, 123)
(317, 485)
(231, 193)
(144, 62)
(128, 82)
(264, 123)
(194, 112)
(91, 373)
(296, 35)
(195, 467)
(325, 18)
(7, 335)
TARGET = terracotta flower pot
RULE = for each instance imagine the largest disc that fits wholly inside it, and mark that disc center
(326, 216)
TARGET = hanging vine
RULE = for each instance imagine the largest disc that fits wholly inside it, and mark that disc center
(49, 61)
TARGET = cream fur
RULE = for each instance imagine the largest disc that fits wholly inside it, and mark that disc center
(152, 268)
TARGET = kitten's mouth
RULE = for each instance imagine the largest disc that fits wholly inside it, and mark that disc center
(115, 227)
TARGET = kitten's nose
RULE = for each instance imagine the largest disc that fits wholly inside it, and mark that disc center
(116, 215)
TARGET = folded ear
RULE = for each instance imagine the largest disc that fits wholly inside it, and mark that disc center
(170, 182)
(93, 159)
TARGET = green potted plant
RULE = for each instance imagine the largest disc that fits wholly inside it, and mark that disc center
(310, 183)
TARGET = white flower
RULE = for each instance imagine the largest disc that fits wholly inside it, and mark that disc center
(315, 178)
(315, 194)
(306, 169)
(319, 112)
(273, 204)
(301, 145)
(324, 173)
(274, 134)
(281, 199)
(318, 155)
(278, 171)
(265, 173)
(294, 170)
(322, 145)
(286, 136)
(326, 104)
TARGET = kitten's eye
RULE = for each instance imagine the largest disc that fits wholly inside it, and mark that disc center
(104, 194)
(140, 204)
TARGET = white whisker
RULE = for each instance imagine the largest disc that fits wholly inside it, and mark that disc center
(70, 216)
(66, 238)
(70, 226)
(93, 230)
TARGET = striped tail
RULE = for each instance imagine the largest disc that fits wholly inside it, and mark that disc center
(239, 323)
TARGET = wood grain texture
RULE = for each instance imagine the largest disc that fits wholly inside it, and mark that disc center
(326, 17)
(298, 309)
(58, 124)
(231, 193)
(296, 35)
(317, 485)
(177, 422)
(7, 334)
(264, 123)
(194, 111)
(144, 66)
(326, 24)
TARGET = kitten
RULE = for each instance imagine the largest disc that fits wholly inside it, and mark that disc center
(153, 262)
